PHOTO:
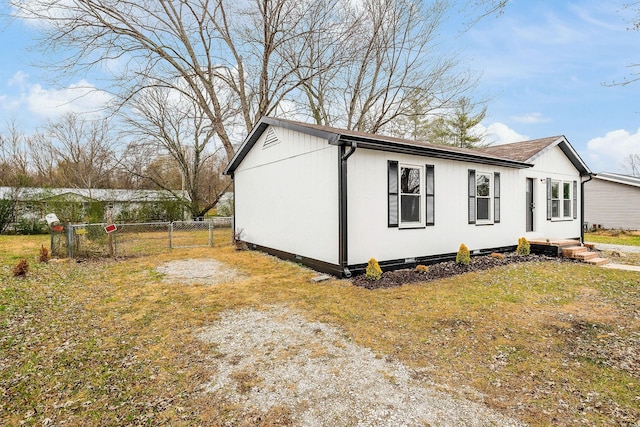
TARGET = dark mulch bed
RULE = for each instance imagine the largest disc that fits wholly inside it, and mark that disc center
(441, 270)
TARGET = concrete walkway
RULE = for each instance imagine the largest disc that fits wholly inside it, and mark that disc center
(622, 267)
(622, 249)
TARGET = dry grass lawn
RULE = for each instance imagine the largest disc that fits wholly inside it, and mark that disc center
(614, 237)
(109, 343)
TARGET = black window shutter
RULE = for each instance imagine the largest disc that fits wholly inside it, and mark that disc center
(392, 202)
(472, 196)
(430, 195)
(575, 199)
(496, 197)
(548, 199)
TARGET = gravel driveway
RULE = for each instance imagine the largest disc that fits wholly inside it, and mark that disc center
(617, 248)
(276, 358)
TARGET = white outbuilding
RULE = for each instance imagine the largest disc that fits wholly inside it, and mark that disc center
(332, 198)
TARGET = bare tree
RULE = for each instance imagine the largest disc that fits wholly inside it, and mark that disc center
(14, 157)
(82, 150)
(381, 64)
(631, 164)
(369, 54)
(173, 132)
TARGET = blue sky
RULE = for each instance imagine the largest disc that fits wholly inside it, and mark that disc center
(546, 67)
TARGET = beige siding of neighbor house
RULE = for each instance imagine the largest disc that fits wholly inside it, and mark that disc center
(612, 205)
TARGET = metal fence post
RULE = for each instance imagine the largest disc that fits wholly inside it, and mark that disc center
(70, 239)
(170, 235)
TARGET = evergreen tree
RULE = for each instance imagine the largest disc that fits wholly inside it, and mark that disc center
(456, 129)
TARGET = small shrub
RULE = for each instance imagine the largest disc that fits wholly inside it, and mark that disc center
(44, 255)
(422, 268)
(21, 269)
(497, 255)
(464, 256)
(374, 272)
(524, 248)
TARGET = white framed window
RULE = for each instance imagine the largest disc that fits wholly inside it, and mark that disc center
(411, 180)
(483, 197)
(562, 201)
(411, 195)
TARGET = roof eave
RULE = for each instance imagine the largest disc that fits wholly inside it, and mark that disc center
(436, 152)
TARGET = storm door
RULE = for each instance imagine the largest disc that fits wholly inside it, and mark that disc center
(530, 204)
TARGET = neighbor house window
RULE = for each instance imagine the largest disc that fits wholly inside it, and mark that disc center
(411, 195)
(562, 201)
(484, 197)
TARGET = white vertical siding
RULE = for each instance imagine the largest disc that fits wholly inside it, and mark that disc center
(370, 236)
(612, 205)
(555, 165)
(286, 196)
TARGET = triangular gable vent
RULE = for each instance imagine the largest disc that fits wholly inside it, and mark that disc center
(271, 138)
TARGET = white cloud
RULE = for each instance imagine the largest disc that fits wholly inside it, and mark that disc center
(49, 103)
(498, 133)
(19, 79)
(607, 153)
(531, 118)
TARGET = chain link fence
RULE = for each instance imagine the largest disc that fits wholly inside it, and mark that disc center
(136, 239)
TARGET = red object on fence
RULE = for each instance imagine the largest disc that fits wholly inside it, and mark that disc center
(110, 228)
(58, 228)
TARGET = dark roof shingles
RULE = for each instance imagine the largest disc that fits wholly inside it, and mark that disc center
(520, 151)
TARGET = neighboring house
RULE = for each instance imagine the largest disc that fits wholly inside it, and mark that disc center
(612, 201)
(332, 199)
(74, 204)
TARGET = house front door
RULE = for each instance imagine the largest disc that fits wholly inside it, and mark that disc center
(530, 204)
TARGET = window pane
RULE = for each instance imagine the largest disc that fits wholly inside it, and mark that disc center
(410, 181)
(555, 190)
(555, 208)
(483, 209)
(566, 192)
(566, 206)
(482, 185)
(410, 208)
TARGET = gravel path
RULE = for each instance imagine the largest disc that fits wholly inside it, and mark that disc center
(276, 358)
(198, 271)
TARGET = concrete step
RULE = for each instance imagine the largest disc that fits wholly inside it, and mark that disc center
(572, 251)
(597, 261)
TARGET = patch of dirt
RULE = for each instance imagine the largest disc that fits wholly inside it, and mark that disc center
(442, 270)
(310, 373)
(198, 271)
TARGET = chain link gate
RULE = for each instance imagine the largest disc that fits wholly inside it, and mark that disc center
(190, 234)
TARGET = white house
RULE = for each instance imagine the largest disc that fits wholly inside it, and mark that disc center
(332, 198)
(611, 201)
